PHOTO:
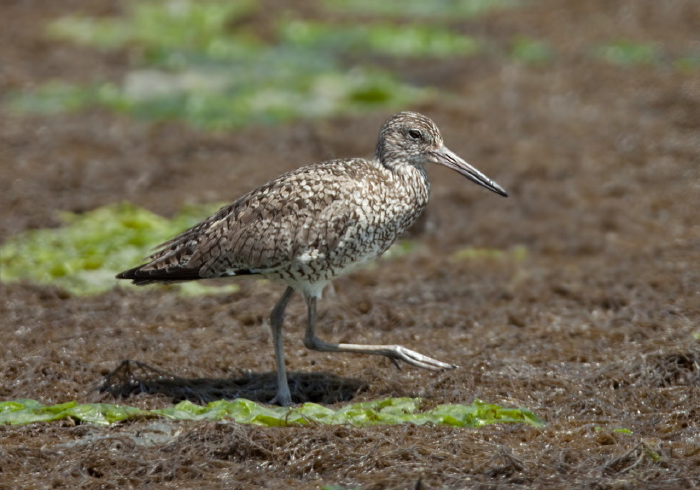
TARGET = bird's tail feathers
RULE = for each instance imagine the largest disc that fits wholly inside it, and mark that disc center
(142, 276)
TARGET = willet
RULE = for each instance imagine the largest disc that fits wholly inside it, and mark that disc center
(313, 224)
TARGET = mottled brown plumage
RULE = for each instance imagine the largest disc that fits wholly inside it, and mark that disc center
(315, 223)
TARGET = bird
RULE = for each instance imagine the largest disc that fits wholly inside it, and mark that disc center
(310, 225)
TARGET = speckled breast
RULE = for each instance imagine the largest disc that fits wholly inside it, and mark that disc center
(358, 227)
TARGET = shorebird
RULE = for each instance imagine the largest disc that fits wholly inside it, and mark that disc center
(313, 224)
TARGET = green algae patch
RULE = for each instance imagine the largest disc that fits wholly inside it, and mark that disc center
(83, 256)
(390, 411)
(655, 54)
(22, 412)
(531, 51)
(198, 62)
(159, 26)
(688, 63)
(402, 41)
(628, 53)
(442, 9)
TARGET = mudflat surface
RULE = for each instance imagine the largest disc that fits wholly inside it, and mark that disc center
(595, 330)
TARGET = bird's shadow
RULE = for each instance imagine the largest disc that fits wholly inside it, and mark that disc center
(134, 377)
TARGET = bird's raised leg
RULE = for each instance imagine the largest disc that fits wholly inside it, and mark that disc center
(283, 396)
(393, 352)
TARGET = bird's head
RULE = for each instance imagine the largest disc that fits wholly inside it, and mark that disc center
(412, 138)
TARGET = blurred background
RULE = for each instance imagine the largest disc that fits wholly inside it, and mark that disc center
(578, 297)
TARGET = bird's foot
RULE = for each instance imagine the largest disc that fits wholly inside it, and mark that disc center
(400, 353)
(394, 352)
(283, 399)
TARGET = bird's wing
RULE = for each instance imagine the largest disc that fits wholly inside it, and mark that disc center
(265, 229)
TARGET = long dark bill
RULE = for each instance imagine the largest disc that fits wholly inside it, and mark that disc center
(445, 157)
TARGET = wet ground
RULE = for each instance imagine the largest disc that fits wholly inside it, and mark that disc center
(596, 330)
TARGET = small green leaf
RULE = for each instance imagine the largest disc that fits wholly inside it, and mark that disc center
(623, 431)
(517, 253)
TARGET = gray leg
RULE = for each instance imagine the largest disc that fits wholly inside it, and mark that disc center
(393, 352)
(283, 396)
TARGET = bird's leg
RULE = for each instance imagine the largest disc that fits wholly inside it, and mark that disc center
(283, 396)
(393, 352)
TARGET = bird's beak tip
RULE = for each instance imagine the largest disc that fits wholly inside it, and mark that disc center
(449, 159)
(500, 190)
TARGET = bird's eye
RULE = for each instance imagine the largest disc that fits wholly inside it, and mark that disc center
(415, 134)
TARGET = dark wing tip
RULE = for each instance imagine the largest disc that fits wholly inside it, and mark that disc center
(126, 274)
(129, 274)
(142, 277)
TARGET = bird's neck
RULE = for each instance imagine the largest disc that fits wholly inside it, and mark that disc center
(412, 180)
